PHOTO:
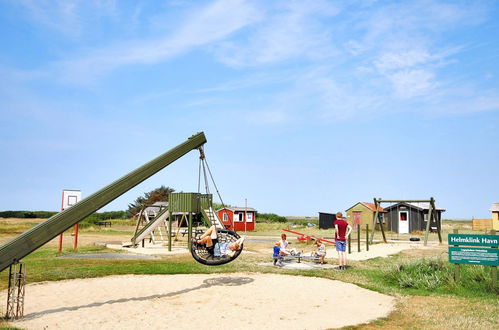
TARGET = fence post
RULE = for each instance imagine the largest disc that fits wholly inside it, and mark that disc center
(494, 268)
(367, 237)
(457, 269)
(349, 245)
(358, 237)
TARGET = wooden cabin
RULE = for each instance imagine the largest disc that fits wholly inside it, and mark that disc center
(405, 218)
(362, 213)
(238, 218)
(495, 216)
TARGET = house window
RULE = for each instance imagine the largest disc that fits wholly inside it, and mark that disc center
(249, 217)
(240, 217)
(225, 217)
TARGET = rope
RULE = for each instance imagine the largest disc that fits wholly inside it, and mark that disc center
(214, 184)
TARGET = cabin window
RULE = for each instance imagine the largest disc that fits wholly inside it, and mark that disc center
(225, 217)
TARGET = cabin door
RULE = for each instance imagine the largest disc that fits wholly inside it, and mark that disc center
(403, 222)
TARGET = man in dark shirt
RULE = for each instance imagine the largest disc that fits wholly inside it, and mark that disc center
(341, 232)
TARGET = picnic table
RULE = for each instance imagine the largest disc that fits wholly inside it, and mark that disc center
(103, 223)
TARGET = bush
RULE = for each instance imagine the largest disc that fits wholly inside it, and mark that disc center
(270, 217)
(421, 274)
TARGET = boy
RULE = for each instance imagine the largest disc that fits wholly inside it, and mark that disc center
(277, 254)
(341, 232)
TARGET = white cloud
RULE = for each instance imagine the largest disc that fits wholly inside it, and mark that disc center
(294, 30)
(68, 17)
(209, 24)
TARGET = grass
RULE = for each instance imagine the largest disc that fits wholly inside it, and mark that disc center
(421, 280)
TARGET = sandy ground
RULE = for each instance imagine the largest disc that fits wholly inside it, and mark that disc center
(235, 301)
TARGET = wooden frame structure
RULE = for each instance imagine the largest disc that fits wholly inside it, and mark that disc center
(432, 212)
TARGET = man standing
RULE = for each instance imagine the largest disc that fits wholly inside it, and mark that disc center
(341, 232)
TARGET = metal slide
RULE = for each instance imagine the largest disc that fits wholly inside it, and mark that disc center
(153, 224)
(22, 245)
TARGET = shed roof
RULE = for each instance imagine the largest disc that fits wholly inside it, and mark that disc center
(238, 208)
(419, 206)
(370, 206)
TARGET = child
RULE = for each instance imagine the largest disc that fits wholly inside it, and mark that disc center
(321, 250)
(277, 254)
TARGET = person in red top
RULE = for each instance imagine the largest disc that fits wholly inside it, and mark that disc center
(341, 232)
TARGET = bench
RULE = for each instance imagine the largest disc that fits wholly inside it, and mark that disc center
(103, 223)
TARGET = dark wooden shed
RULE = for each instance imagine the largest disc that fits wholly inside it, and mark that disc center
(405, 218)
(326, 220)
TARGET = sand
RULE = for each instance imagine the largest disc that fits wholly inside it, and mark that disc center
(198, 301)
(217, 301)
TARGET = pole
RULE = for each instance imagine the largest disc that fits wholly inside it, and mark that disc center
(457, 269)
(367, 237)
(75, 243)
(493, 272)
(358, 237)
(245, 213)
(430, 214)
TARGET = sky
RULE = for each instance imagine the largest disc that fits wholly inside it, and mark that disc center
(307, 106)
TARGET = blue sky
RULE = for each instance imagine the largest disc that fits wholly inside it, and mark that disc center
(307, 106)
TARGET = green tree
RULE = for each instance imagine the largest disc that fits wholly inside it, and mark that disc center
(160, 194)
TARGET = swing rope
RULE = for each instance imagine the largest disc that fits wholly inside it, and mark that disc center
(224, 236)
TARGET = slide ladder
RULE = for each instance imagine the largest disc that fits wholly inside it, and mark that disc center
(151, 226)
(213, 218)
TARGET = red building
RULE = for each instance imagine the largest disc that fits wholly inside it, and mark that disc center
(238, 218)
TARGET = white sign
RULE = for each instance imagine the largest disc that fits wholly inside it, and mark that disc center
(70, 198)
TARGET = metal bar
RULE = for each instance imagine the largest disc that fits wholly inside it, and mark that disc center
(37, 236)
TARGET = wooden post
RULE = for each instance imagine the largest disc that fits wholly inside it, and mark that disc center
(457, 269)
(493, 272)
(430, 214)
(170, 232)
(358, 237)
(349, 245)
(375, 217)
(189, 231)
(367, 237)
(437, 221)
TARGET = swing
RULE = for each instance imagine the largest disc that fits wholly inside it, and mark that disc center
(212, 256)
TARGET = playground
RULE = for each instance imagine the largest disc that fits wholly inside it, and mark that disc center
(147, 275)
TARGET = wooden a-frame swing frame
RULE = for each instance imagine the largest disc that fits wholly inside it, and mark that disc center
(432, 214)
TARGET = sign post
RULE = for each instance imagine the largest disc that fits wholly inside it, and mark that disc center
(474, 250)
(70, 198)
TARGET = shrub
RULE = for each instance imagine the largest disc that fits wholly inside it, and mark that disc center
(421, 274)
(270, 217)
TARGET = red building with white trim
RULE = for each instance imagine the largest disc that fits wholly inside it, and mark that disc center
(238, 218)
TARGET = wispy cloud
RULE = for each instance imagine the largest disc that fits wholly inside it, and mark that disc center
(68, 17)
(291, 30)
(206, 25)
